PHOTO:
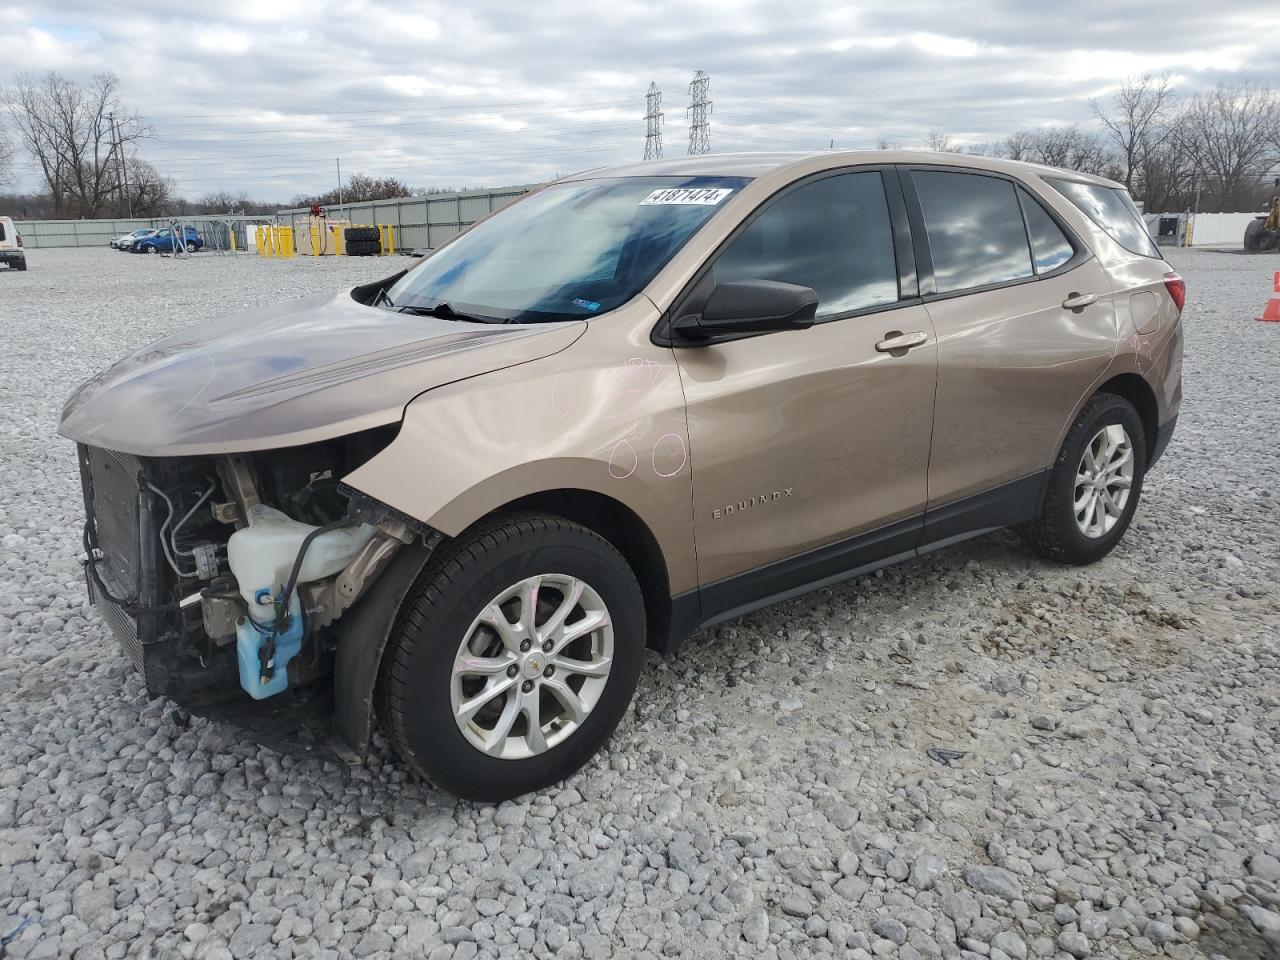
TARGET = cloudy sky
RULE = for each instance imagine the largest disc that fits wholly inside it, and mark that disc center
(262, 95)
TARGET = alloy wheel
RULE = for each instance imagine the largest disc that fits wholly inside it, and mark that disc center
(532, 666)
(1104, 480)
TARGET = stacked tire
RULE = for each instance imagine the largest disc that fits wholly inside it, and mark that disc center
(362, 241)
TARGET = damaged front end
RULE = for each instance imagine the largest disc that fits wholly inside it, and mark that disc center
(226, 578)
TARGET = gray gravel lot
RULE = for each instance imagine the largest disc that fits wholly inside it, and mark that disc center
(771, 794)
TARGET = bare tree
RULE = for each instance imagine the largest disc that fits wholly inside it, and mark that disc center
(1233, 133)
(223, 201)
(359, 189)
(149, 194)
(1017, 146)
(7, 152)
(1166, 176)
(75, 135)
(1067, 147)
(1136, 119)
(940, 143)
(233, 201)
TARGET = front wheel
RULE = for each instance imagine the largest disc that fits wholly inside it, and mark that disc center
(515, 658)
(1093, 486)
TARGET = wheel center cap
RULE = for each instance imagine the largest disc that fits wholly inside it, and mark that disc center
(533, 666)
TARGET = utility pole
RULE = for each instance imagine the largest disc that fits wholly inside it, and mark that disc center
(1191, 226)
(122, 181)
(653, 123)
(698, 113)
(338, 161)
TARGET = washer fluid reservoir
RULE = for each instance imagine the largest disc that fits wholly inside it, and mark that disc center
(261, 556)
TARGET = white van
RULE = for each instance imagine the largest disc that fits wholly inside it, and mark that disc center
(11, 251)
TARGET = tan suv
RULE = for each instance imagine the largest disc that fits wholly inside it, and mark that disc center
(638, 401)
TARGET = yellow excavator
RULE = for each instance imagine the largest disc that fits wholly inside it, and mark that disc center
(1264, 232)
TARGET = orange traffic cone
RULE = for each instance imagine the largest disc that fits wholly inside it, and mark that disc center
(1271, 313)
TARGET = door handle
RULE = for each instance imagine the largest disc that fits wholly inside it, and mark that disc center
(899, 343)
(1078, 301)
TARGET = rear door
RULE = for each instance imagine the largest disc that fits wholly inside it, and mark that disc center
(1025, 321)
(801, 439)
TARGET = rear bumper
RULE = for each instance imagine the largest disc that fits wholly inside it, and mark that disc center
(12, 256)
(1164, 434)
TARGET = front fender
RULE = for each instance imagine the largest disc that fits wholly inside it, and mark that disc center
(605, 415)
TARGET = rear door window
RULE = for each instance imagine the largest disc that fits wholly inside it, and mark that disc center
(1112, 209)
(1050, 247)
(3, 237)
(975, 228)
(832, 234)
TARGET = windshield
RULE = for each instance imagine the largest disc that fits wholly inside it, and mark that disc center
(571, 251)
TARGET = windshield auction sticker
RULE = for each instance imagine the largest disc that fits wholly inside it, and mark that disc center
(700, 196)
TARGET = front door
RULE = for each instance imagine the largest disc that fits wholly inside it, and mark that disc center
(803, 439)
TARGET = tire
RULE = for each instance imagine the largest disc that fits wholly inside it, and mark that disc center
(360, 235)
(151, 250)
(363, 248)
(21, 265)
(1056, 533)
(441, 619)
(1258, 238)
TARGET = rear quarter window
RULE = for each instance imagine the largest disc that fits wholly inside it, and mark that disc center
(1112, 210)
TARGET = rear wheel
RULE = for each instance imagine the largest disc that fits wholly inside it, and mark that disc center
(1094, 485)
(515, 659)
(1258, 237)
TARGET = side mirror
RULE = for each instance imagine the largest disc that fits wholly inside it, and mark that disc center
(751, 306)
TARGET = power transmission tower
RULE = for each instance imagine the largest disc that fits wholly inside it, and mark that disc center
(653, 123)
(699, 112)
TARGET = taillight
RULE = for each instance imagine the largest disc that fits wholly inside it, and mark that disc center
(1177, 288)
(19, 239)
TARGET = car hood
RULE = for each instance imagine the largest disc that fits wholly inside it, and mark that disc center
(289, 374)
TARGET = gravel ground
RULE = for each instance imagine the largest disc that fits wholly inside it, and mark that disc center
(777, 790)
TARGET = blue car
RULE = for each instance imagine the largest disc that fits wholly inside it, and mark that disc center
(162, 241)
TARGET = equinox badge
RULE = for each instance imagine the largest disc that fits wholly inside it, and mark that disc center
(759, 499)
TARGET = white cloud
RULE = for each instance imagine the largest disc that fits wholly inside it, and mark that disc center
(263, 94)
(945, 46)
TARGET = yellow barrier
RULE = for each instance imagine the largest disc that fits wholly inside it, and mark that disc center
(276, 241)
(387, 240)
